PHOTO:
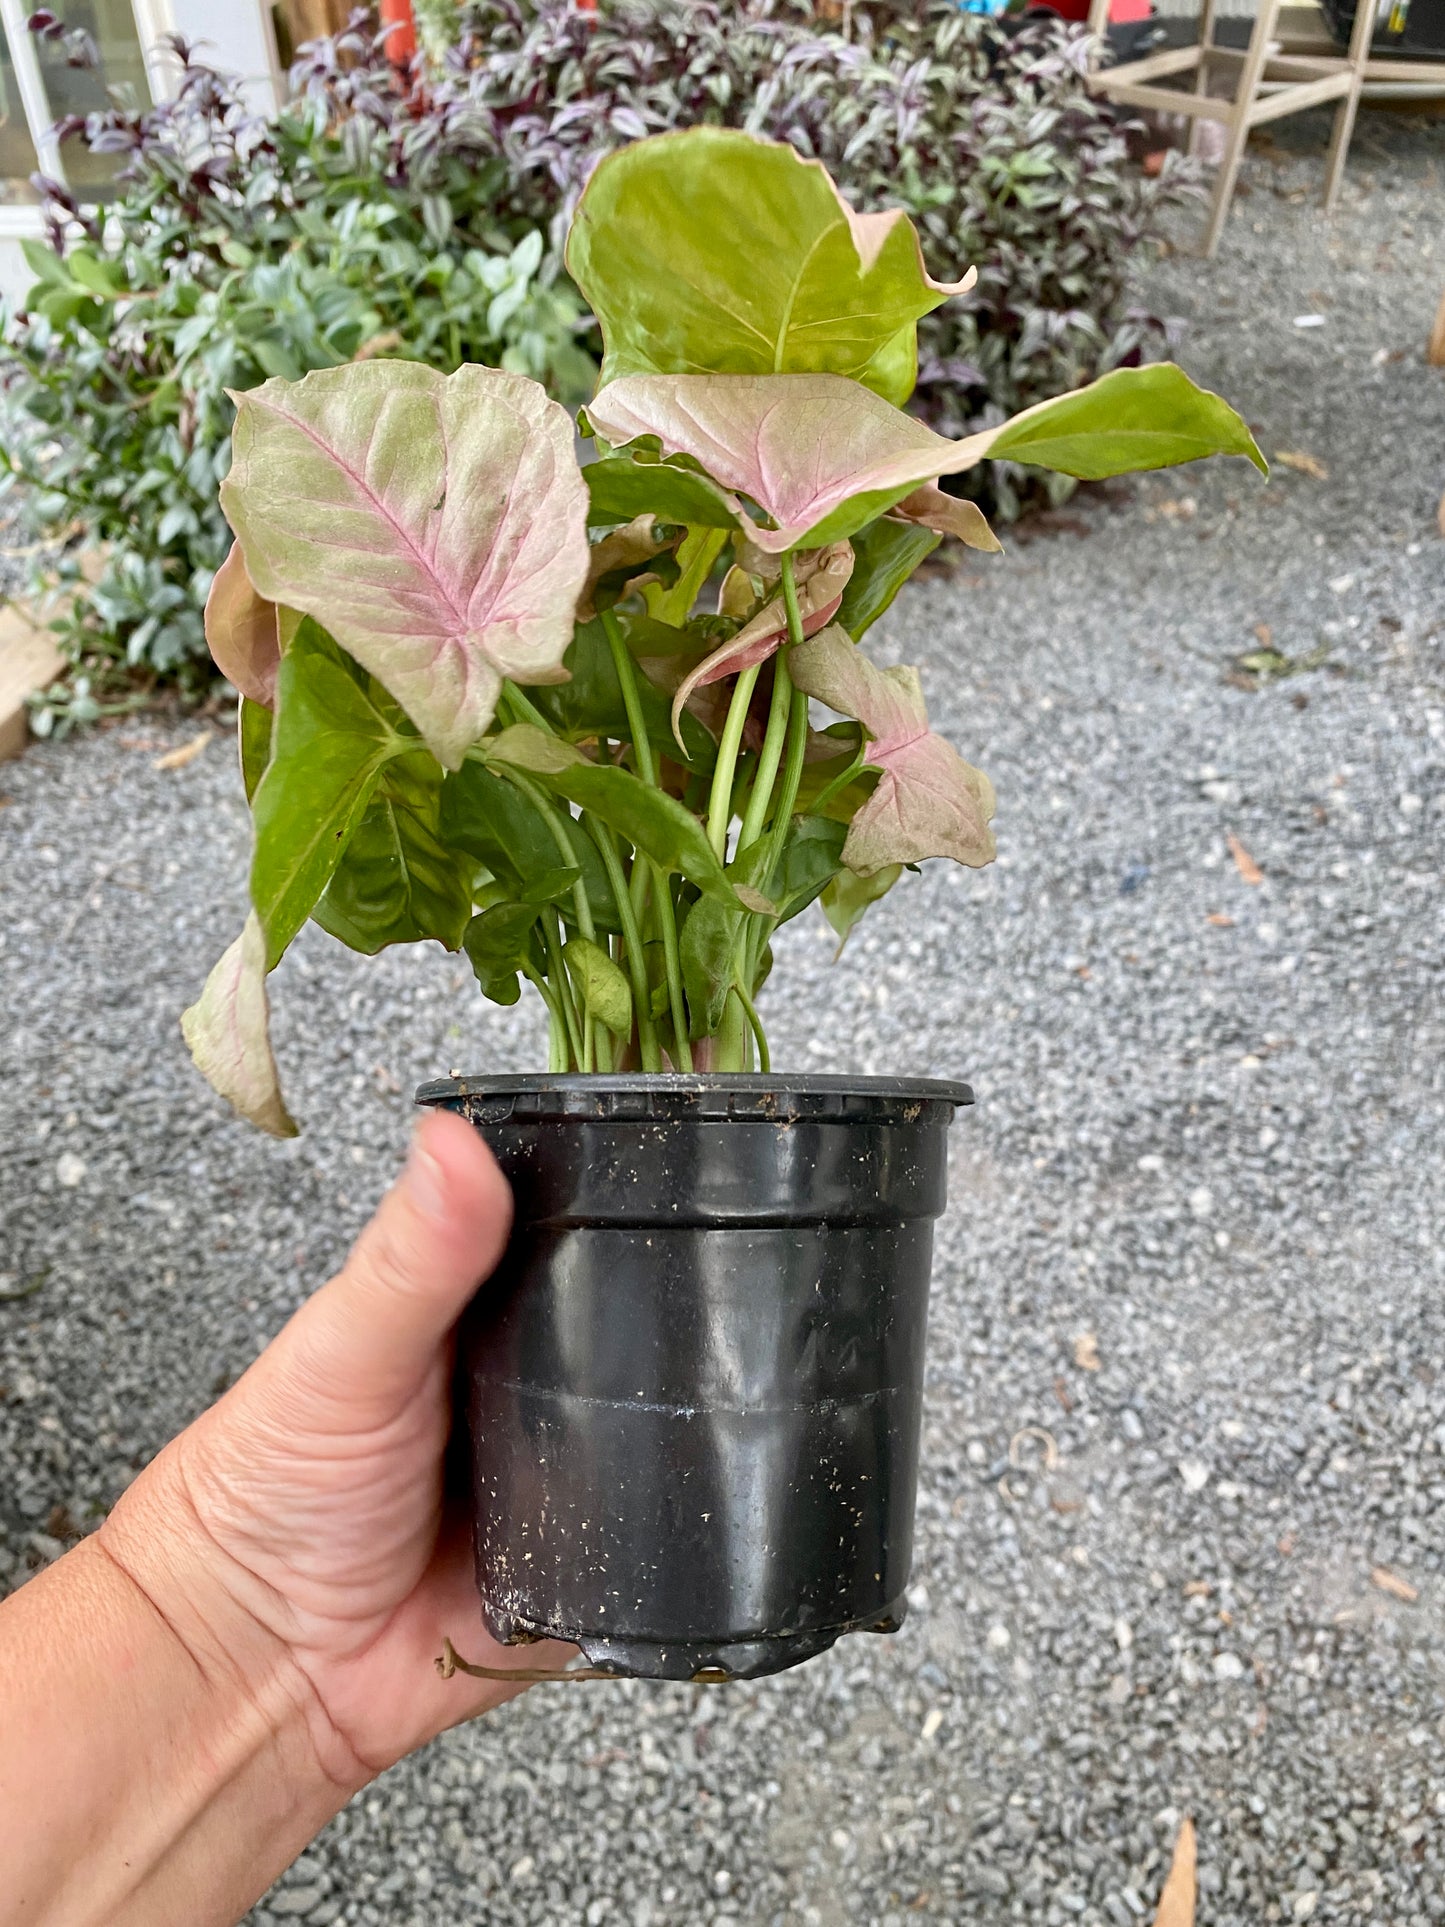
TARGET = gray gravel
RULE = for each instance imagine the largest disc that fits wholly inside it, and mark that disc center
(1196, 1237)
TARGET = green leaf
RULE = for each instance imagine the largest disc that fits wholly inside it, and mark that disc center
(698, 551)
(550, 886)
(1135, 418)
(708, 948)
(253, 734)
(328, 746)
(93, 274)
(536, 751)
(812, 857)
(846, 898)
(709, 938)
(620, 490)
(604, 990)
(398, 880)
(651, 821)
(499, 941)
(712, 251)
(492, 821)
(591, 704)
(885, 554)
(45, 264)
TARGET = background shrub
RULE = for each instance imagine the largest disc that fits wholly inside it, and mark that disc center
(241, 247)
(374, 215)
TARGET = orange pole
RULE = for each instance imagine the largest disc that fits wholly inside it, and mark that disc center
(401, 41)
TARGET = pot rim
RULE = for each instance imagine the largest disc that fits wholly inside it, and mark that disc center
(908, 1090)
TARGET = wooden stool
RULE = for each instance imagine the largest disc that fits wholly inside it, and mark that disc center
(1268, 85)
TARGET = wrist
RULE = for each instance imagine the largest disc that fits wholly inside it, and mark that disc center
(152, 1775)
(157, 1540)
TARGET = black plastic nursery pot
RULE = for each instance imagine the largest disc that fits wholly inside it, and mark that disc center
(693, 1388)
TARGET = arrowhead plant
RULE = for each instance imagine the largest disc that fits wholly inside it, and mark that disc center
(560, 716)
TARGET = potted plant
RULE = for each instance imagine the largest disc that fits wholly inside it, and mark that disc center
(559, 717)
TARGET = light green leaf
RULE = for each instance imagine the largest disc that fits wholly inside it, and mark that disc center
(846, 898)
(603, 988)
(523, 746)
(1135, 418)
(710, 250)
(253, 736)
(228, 1032)
(45, 264)
(328, 746)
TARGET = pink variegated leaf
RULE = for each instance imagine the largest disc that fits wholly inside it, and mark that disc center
(227, 1030)
(949, 515)
(242, 633)
(818, 454)
(927, 801)
(821, 578)
(435, 525)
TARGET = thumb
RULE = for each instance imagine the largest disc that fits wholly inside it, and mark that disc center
(437, 1234)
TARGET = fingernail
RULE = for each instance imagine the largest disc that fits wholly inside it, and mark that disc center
(426, 1181)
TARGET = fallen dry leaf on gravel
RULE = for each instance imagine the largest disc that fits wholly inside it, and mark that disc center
(1303, 464)
(1086, 1352)
(1248, 869)
(187, 753)
(1392, 1583)
(1176, 1903)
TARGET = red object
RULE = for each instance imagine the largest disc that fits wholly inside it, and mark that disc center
(1119, 10)
(401, 41)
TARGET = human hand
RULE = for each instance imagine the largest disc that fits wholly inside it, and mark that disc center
(295, 1534)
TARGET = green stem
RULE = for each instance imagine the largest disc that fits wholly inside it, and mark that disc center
(667, 921)
(720, 804)
(787, 794)
(557, 970)
(661, 889)
(767, 770)
(631, 698)
(524, 708)
(632, 937)
(556, 1030)
(797, 734)
(765, 1062)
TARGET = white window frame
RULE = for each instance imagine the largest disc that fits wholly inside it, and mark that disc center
(20, 220)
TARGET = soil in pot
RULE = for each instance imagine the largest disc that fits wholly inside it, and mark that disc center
(693, 1387)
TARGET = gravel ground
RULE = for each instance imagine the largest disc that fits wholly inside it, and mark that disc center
(1196, 1237)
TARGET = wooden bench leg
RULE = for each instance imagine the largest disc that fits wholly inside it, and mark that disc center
(1340, 147)
(1344, 127)
(1224, 182)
